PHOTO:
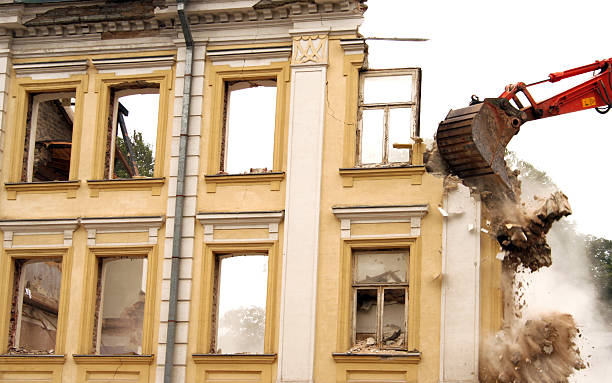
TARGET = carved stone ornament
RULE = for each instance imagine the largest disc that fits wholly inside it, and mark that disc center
(308, 50)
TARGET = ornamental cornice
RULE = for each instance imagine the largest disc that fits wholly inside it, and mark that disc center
(167, 19)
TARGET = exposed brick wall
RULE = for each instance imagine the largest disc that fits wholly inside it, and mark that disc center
(53, 124)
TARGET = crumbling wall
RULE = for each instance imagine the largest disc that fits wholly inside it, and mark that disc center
(540, 349)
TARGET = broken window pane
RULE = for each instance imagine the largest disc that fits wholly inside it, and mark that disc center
(250, 121)
(400, 122)
(48, 138)
(132, 131)
(121, 310)
(35, 309)
(387, 89)
(366, 316)
(394, 318)
(381, 267)
(241, 304)
(372, 123)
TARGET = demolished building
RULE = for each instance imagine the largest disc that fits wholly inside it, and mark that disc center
(260, 227)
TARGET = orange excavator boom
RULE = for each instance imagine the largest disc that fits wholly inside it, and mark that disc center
(473, 140)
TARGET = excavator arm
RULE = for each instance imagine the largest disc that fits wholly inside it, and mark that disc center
(473, 140)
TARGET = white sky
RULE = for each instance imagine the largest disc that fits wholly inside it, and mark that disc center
(478, 47)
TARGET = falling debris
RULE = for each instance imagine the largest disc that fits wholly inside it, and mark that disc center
(535, 350)
(540, 349)
(525, 240)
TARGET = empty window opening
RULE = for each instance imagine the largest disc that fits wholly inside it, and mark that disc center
(35, 306)
(132, 131)
(120, 306)
(240, 304)
(250, 121)
(380, 284)
(388, 114)
(48, 138)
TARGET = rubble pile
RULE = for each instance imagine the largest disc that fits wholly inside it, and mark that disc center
(536, 350)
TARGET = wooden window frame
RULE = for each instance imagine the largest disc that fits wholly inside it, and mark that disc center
(413, 104)
(380, 288)
(412, 245)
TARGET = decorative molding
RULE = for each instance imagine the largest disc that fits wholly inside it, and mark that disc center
(201, 15)
(249, 56)
(68, 187)
(8, 359)
(63, 68)
(233, 358)
(310, 50)
(123, 63)
(353, 46)
(11, 228)
(241, 220)
(95, 226)
(113, 359)
(153, 184)
(411, 357)
(412, 172)
(272, 179)
(380, 214)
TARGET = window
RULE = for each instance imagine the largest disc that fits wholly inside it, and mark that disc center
(132, 130)
(48, 137)
(249, 125)
(380, 299)
(120, 305)
(388, 114)
(35, 306)
(239, 315)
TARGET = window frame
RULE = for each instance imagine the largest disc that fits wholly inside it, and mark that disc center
(104, 86)
(115, 117)
(410, 244)
(208, 310)
(218, 77)
(24, 89)
(380, 289)
(414, 105)
(10, 257)
(217, 281)
(97, 253)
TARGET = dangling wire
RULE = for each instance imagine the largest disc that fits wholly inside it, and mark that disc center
(605, 109)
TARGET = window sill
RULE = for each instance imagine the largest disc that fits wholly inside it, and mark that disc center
(135, 184)
(273, 179)
(234, 358)
(409, 357)
(68, 187)
(412, 172)
(31, 359)
(113, 359)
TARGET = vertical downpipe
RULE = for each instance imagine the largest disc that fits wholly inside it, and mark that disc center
(180, 186)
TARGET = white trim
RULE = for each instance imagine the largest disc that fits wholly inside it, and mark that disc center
(54, 67)
(380, 214)
(353, 46)
(125, 65)
(249, 220)
(66, 227)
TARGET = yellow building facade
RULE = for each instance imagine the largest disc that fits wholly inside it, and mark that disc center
(207, 191)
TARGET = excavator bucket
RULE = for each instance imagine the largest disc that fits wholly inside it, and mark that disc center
(473, 140)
